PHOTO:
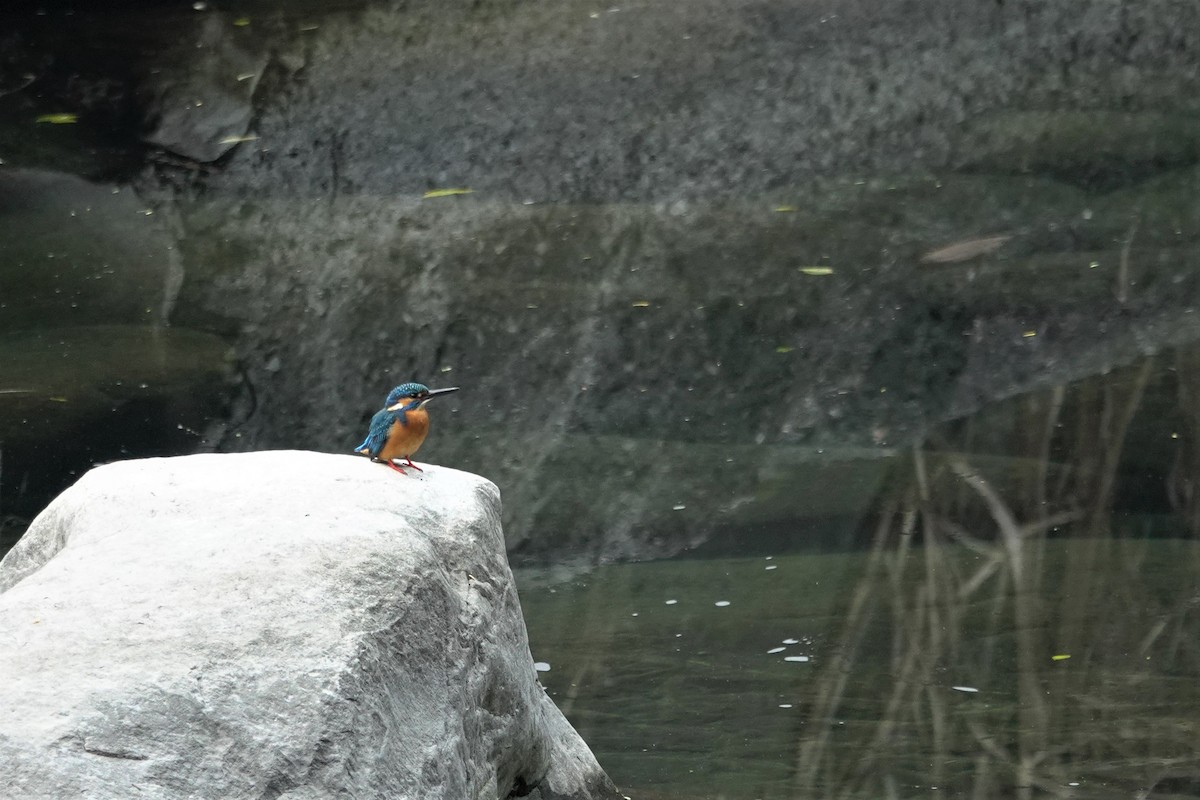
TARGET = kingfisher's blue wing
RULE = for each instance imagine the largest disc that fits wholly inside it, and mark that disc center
(377, 434)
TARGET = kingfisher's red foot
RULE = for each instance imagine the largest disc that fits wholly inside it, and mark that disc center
(395, 467)
(408, 462)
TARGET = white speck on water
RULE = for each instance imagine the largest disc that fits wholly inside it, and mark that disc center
(791, 641)
(775, 650)
(634, 614)
(678, 635)
(785, 705)
(671, 602)
(971, 689)
(768, 558)
(772, 566)
(541, 666)
(679, 507)
(721, 603)
(796, 659)
(1073, 783)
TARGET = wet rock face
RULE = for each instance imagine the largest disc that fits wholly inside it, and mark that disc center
(1001, 194)
(623, 296)
(198, 102)
(275, 624)
(549, 102)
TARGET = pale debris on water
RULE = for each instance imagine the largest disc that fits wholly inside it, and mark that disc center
(541, 666)
(721, 603)
(796, 659)
(970, 689)
(445, 193)
(964, 250)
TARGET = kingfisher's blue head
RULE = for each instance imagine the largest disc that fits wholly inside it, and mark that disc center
(408, 396)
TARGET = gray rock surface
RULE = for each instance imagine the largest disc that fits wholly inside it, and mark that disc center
(623, 290)
(623, 295)
(274, 624)
(199, 101)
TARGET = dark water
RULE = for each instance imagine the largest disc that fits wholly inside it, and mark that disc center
(1023, 622)
(907, 455)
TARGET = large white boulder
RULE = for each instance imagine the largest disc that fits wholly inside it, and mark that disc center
(274, 625)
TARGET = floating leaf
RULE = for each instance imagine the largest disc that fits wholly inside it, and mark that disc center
(58, 399)
(1060, 657)
(964, 250)
(642, 304)
(783, 348)
(817, 270)
(59, 119)
(445, 193)
(786, 209)
(241, 22)
(238, 139)
(1028, 334)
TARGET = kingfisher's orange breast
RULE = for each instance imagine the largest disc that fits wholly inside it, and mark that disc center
(403, 440)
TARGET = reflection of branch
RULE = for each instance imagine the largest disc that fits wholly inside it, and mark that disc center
(1116, 441)
(1182, 486)
(1010, 532)
(1031, 711)
(1056, 403)
(1024, 768)
(1123, 268)
(974, 583)
(832, 687)
(29, 79)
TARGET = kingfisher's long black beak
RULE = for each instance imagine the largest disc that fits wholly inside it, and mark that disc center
(432, 394)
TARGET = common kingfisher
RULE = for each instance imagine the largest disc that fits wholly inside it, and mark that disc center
(399, 428)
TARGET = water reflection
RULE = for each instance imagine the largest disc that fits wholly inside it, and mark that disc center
(1021, 622)
(74, 396)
